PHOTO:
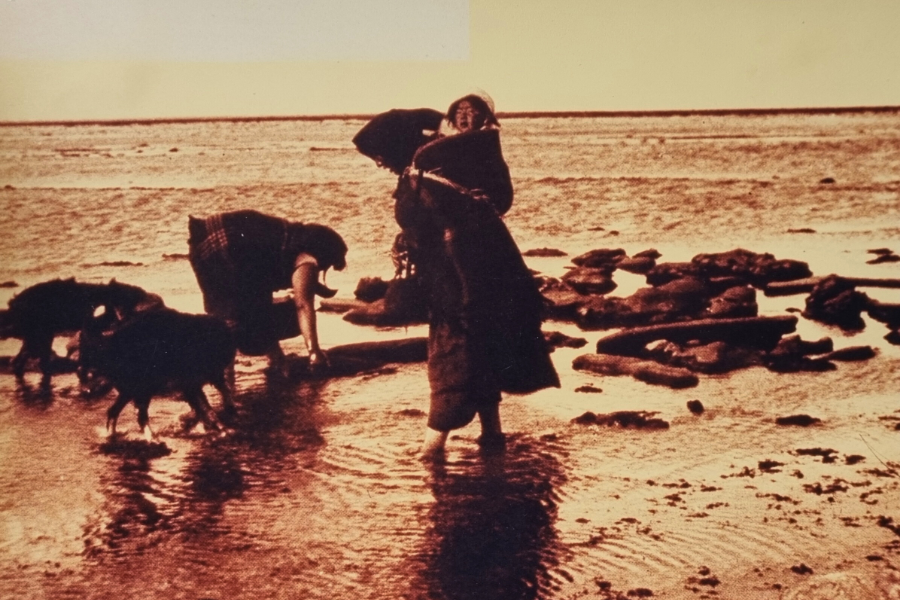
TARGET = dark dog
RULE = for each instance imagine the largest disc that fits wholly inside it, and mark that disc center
(158, 351)
(43, 311)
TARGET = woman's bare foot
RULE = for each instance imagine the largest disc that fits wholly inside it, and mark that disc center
(433, 446)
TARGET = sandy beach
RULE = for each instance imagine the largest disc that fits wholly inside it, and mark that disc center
(319, 493)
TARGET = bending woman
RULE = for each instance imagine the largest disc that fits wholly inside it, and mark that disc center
(485, 309)
(240, 258)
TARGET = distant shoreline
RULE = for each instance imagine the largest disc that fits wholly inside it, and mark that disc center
(502, 115)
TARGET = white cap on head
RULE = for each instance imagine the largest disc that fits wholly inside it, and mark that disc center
(484, 96)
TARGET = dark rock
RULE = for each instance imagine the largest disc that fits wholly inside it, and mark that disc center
(851, 353)
(9, 284)
(827, 180)
(758, 269)
(404, 303)
(790, 355)
(370, 289)
(798, 420)
(649, 253)
(884, 258)
(712, 358)
(665, 272)
(590, 280)
(802, 569)
(880, 251)
(637, 265)
(835, 301)
(561, 300)
(600, 258)
(625, 419)
(889, 314)
(802, 230)
(734, 302)
(695, 406)
(544, 252)
(673, 301)
(556, 339)
(588, 389)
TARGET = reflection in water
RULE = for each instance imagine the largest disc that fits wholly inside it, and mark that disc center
(492, 533)
(184, 494)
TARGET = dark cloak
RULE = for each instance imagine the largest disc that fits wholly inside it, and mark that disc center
(394, 136)
(485, 308)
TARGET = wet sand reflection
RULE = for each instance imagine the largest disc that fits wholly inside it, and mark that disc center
(491, 531)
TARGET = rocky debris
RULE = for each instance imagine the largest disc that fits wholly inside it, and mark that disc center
(805, 286)
(744, 265)
(604, 258)
(884, 258)
(640, 265)
(625, 418)
(712, 358)
(678, 300)
(835, 301)
(828, 455)
(370, 289)
(851, 354)
(757, 269)
(556, 339)
(588, 389)
(791, 355)
(750, 332)
(643, 370)
(404, 303)
(798, 420)
(889, 314)
(590, 280)
(548, 252)
(560, 299)
(882, 255)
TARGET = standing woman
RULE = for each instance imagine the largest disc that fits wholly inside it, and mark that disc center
(240, 258)
(485, 309)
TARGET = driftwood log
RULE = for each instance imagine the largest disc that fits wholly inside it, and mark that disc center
(804, 286)
(753, 332)
(647, 371)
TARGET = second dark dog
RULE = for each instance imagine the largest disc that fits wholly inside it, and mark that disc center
(158, 351)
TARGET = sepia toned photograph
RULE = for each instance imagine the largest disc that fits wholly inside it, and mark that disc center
(450, 300)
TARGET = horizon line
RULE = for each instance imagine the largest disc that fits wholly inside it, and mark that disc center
(504, 115)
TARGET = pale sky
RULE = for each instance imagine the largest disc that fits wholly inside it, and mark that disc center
(123, 59)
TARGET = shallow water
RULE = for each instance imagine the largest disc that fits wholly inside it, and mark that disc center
(318, 493)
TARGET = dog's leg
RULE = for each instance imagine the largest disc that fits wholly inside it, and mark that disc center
(143, 406)
(112, 414)
(225, 385)
(21, 360)
(43, 350)
(197, 401)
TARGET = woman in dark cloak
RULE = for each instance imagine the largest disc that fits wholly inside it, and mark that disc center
(485, 309)
(240, 258)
